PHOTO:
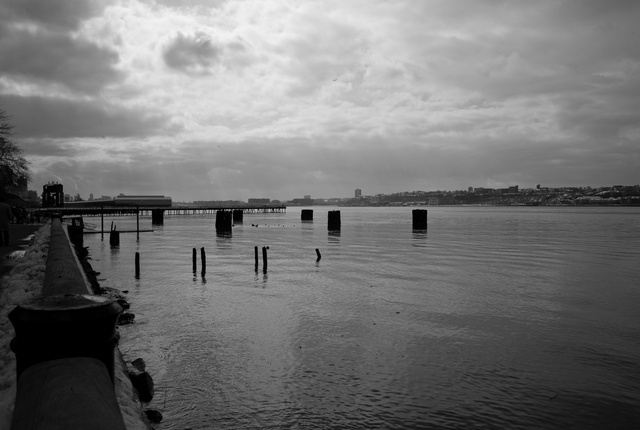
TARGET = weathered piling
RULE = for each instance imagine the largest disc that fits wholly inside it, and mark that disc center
(334, 220)
(264, 259)
(203, 257)
(419, 219)
(76, 231)
(237, 215)
(195, 260)
(137, 263)
(114, 237)
(157, 216)
(223, 221)
(256, 253)
(306, 215)
(318, 254)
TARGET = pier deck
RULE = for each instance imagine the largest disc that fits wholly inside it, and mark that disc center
(167, 210)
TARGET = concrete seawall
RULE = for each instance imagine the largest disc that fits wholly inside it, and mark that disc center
(76, 391)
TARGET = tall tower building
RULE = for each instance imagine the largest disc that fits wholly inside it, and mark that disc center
(358, 192)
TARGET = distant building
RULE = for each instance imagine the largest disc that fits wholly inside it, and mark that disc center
(307, 196)
(259, 201)
(358, 193)
(301, 202)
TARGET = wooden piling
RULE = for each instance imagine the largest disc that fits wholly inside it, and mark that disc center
(318, 254)
(334, 220)
(203, 257)
(114, 237)
(137, 262)
(306, 215)
(256, 252)
(237, 215)
(419, 219)
(195, 260)
(264, 259)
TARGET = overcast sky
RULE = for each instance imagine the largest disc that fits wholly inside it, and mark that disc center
(214, 99)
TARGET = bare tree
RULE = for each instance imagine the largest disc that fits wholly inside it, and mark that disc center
(14, 168)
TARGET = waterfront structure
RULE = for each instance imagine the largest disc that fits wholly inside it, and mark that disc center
(52, 195)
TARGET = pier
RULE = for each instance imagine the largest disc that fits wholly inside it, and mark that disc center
(150, 210)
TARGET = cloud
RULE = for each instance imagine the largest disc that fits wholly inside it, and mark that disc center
(56, 15)
(195, 53)
(55, 118)
(58, 59)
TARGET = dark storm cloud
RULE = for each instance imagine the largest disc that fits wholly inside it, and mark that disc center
(37, 45)
(56, 118)
(191, 53)
(58, 14)
(57, 58)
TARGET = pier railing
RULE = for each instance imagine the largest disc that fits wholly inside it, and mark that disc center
(64, 347)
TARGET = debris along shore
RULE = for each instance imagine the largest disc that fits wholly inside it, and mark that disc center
(25, 282)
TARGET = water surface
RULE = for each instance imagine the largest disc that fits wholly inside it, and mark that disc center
(493, 318)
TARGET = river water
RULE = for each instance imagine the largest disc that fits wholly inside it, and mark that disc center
(496, 317)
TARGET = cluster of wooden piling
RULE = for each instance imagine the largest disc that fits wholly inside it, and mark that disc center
(264, 258)
(224, 223)
(203, 258)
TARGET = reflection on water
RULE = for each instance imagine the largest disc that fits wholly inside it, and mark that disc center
(503, 318)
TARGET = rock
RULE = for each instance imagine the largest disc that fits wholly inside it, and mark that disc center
(122, 302)
(143, 383)
(126, 318)
(139, 364)
(153, 415)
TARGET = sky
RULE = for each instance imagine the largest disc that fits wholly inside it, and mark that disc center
(238, 99)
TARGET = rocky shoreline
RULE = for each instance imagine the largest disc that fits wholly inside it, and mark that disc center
(140, 379)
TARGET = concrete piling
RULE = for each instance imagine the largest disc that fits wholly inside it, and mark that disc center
(137, 264)
(157, 216)
(306, 215)
(334, 220)
(237, 215)
(223, 221)
(419, 219)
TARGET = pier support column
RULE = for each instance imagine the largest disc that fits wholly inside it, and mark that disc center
(334, 220)
(223, 221)
(157, 216)
(306, 215)
(237, 215)
(419, 219)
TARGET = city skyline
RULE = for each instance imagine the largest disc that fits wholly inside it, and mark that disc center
(237, 99)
